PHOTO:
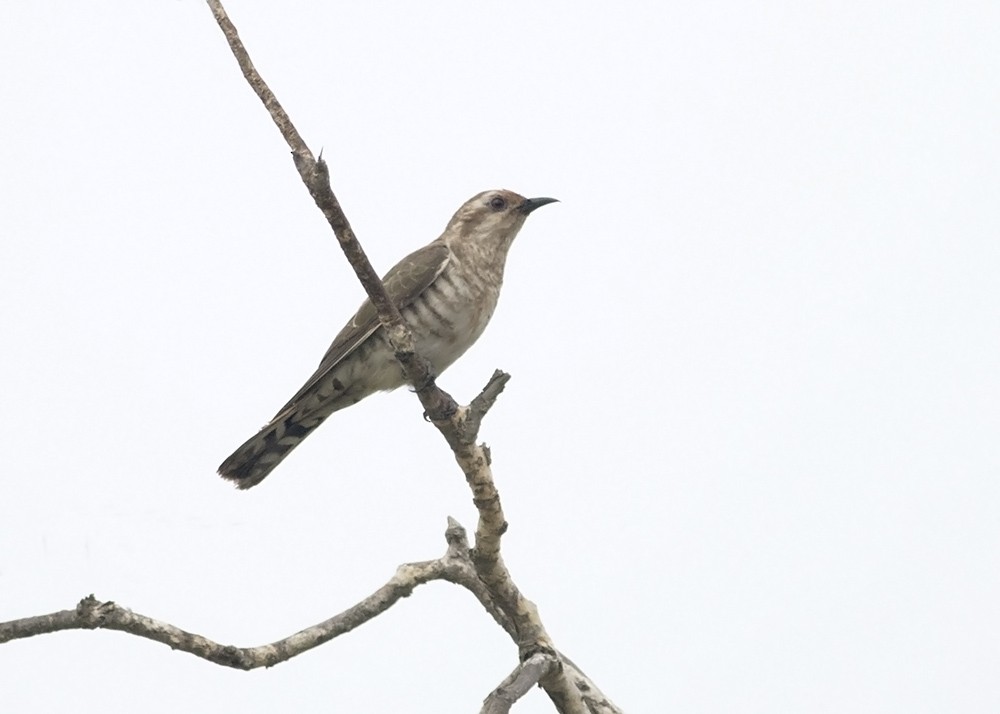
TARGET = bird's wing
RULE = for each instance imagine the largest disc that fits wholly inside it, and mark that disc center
(404, 282)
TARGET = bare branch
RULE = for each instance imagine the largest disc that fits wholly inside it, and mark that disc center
(573, 691)
(459, 425)
(518, 683)
(462, 428)
(90, 614)
(467, 577)
(485, 400)
(480, 570)
(570, 690)
(274, 108)
(315, 175)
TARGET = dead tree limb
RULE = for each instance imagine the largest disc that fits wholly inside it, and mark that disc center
(479, 569)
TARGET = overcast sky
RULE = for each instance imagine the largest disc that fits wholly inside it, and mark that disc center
(750, 450)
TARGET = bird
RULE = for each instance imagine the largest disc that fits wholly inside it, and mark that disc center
(446, 293)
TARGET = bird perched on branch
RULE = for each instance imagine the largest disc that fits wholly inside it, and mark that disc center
(446, 293)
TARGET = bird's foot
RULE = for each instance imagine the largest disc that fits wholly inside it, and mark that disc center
(439, 405)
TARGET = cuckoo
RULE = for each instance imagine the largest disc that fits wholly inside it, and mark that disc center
(446, 293)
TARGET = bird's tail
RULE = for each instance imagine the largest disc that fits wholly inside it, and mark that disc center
(258, 456)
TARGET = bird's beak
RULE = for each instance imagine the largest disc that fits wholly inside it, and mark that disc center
(530, 204)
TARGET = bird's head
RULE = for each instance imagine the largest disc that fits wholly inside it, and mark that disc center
(491, 219)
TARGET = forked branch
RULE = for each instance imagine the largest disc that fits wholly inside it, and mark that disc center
(480, 569)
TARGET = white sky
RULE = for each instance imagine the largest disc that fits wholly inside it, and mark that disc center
(750, 451)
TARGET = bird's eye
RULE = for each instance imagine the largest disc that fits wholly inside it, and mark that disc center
(498, 203)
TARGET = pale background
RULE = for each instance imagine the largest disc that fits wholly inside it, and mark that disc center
(750, 451)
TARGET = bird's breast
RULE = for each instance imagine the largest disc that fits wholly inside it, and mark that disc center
(451, 314)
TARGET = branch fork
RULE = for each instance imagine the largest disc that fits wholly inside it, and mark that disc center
(480, 569)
